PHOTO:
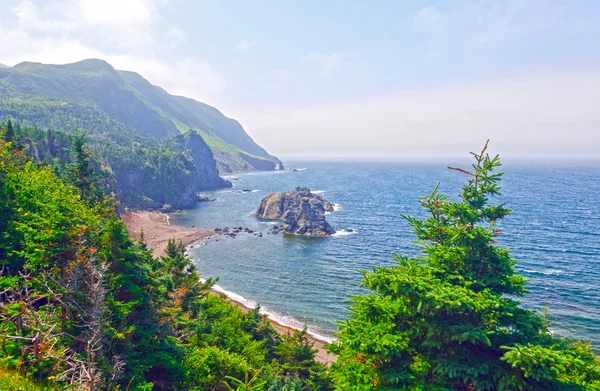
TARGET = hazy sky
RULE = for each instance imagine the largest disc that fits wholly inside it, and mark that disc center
(349, 78)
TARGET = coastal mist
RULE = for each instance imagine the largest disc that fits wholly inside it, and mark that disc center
(553, 232)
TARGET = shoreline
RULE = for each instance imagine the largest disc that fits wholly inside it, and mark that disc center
(322, 355)
(158, 230)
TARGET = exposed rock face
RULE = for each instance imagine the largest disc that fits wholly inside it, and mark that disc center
(144, 192)
(193, 170)
(207, 176)
(302, 212)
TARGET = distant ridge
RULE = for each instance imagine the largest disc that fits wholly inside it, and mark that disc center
(92, 94)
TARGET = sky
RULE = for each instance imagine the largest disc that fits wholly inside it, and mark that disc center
(349, 78)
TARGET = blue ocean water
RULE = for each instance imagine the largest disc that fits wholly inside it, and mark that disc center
(554, 232)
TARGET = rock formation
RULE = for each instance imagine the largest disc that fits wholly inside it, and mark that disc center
(302, 212)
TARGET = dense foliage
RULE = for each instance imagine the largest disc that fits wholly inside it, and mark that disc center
(84, 306)
(145, 172)
(450, 320)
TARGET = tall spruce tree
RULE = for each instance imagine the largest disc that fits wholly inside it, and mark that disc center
(83, 167)
(9, 133)
(185, 286)
(81, 173)
(450, 320)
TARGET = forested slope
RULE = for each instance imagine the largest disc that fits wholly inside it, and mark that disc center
(92, 95)
(144, 172)
(85, 307)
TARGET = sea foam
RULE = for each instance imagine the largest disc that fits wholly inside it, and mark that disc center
(345, 233)
(286, 321)
(547, 272)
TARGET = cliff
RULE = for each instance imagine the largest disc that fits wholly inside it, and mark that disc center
(302, 212)
(156, 178)
(148, 174)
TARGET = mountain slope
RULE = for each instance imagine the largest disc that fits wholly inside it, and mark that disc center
(91, 94)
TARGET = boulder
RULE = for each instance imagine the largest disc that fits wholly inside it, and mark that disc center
(302, 212)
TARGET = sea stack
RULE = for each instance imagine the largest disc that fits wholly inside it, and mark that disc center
(302, 212)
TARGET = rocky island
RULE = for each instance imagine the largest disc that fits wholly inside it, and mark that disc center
(302, 212)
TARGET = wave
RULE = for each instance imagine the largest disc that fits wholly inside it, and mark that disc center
(345, 233)
(198, 245)
(283, 320)
(234, 296)
(547, 272)
(336, 208)
(317, 191)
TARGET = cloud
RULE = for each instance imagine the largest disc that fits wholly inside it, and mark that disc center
(489, 21)
(244, 46)
(123, 32)
(176, 36)
(543, 114)
(430, 19)
(28, 18)
(116, 12)
(188, 77)
(327, 63)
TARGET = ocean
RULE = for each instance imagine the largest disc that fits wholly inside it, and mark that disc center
(554, 233)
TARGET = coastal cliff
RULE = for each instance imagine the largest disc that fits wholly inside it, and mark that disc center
(145, 174)
(302, 212)
(207, 173)
(175, 180)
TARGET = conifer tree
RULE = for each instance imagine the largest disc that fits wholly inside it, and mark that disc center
(449, 320)
(9, 133)
(186, 286)
(82, 172)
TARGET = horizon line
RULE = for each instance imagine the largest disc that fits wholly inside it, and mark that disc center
(380, 158)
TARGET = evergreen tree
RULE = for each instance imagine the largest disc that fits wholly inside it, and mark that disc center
(450, 320)
(82, 174)
(9, 133)
(185, 286)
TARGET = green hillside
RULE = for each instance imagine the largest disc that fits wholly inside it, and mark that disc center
(91, 94)
(84, 307)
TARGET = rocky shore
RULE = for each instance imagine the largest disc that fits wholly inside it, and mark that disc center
(300, 211)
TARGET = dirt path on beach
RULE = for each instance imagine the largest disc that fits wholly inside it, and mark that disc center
(158, 231)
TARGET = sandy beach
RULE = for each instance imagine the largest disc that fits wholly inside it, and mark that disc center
(157, 232)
